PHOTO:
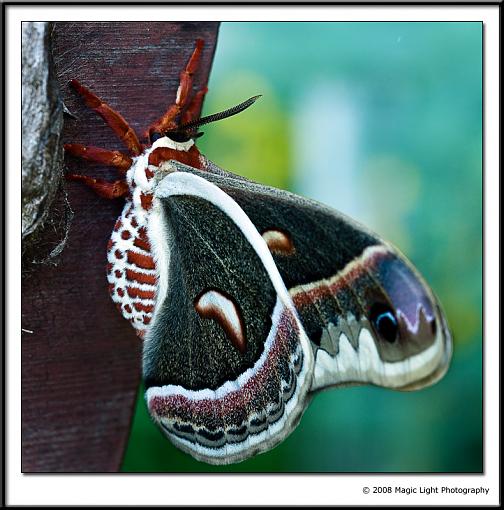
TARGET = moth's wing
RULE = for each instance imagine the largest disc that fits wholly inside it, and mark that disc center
(227, 364)
(369, 315)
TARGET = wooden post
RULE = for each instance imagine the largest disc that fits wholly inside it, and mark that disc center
(81, 361)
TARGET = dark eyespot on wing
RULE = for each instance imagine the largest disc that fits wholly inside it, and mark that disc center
(384, 321)
(406, 292)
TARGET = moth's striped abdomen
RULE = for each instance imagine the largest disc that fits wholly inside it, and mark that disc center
(131, 269)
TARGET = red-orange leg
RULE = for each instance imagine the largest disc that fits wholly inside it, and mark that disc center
(105, 189)
(169, 121)
(114, 119)
(113, 158)
(194, 108)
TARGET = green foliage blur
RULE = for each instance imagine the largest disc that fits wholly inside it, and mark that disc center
(382, 121)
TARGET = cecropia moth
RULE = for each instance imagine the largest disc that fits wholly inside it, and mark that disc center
(249, 299)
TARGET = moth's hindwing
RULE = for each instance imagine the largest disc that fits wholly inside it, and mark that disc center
(369, 315)
(227, 363)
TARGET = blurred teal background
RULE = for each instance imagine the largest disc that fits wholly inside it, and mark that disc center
(382, 121)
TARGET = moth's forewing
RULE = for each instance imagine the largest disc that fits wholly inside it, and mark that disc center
(227, 364)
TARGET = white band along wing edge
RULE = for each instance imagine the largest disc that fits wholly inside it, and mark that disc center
(364, 365)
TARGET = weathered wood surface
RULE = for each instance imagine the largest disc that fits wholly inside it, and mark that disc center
(81, 365)
(42, 125)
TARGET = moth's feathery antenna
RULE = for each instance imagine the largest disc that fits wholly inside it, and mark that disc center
(220, 115)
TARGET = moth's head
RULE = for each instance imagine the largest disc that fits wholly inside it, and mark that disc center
(177, 136)
(181, 133)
